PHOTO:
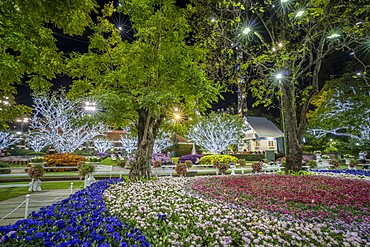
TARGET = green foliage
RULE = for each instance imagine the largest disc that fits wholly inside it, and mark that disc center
(93, 159)
(3, 164)
(18, 152)
(294, 173)
(28, 45)
(346, 117)
(249, 157)
(209, 159)
(331, 150)
(37, 160)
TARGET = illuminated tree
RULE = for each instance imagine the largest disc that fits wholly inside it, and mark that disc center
(128, 142)
(162, 141)
(140, 80)
(102, 144)
(7, 139)
(37, 140)
(62, 121)
(215, 132)
(342, 109)
(277, 50)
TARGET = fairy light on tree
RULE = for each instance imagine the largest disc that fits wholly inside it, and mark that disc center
(215, 132)
(162, 141)
(37, 140)
(128, 143)
(62, 121)
(102, 144)
(7, 139)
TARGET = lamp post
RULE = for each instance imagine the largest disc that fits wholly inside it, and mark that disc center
(280, 77)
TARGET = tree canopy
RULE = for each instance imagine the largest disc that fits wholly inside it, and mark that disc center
(28, 48)
(139, 81)
(278, 50)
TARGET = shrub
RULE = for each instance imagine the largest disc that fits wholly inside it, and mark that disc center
(249, 157)
(37, 160)
(312, 163)
(192, 157)
(163, 158)
(60, 160)
(93, 159)
(36, 153)
(4, 165)
(208, 160)
(102, 155)
(331, 150)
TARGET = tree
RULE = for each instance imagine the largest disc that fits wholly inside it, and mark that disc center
(162, 141)
(37, 140)
(61, 121)
(128, 142)
(279, 50)
(7, 139)
(140, 80)
(102, 144)
(28, 48)
(215, 132)
(342, 109)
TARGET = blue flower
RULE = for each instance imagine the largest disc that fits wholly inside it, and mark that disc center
(162, 216)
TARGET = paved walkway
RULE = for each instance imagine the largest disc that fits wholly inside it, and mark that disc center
(37, 200)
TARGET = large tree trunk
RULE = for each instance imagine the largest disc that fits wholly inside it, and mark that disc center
(293, 145)
(147, 127)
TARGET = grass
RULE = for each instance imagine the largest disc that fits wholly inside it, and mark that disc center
(8, 193)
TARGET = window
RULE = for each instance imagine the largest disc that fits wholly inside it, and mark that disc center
(271, 143)
(258, 143)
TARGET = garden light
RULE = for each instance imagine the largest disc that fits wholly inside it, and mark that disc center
(247, 30)
(334, 35)
(299, 13)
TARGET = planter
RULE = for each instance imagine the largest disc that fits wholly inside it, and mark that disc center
(35, 185)
(89, 179)
(348, 160)
(318, 156)
(325, 161)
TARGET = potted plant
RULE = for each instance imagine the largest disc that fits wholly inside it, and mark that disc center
(35, 173)
(242, 164)
(335, 163)
(157, 163)
(347, 158)
(188, 164)
(222, 167)
(37, 160)
(181, 169)
(85, 170)
(353, 163)
(257, 167)
(317, 153)
(312, 163)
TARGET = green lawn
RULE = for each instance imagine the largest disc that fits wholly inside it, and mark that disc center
(8, 193)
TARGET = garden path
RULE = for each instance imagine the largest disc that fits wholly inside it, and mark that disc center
(43, 198)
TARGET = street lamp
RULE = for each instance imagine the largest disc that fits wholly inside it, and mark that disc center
(280, 77)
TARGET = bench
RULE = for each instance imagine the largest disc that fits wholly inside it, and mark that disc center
(163, 170)
(101, 169)
(271, 168)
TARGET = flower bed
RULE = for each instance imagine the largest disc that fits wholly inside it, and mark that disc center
(253, 210)
(80, 220)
